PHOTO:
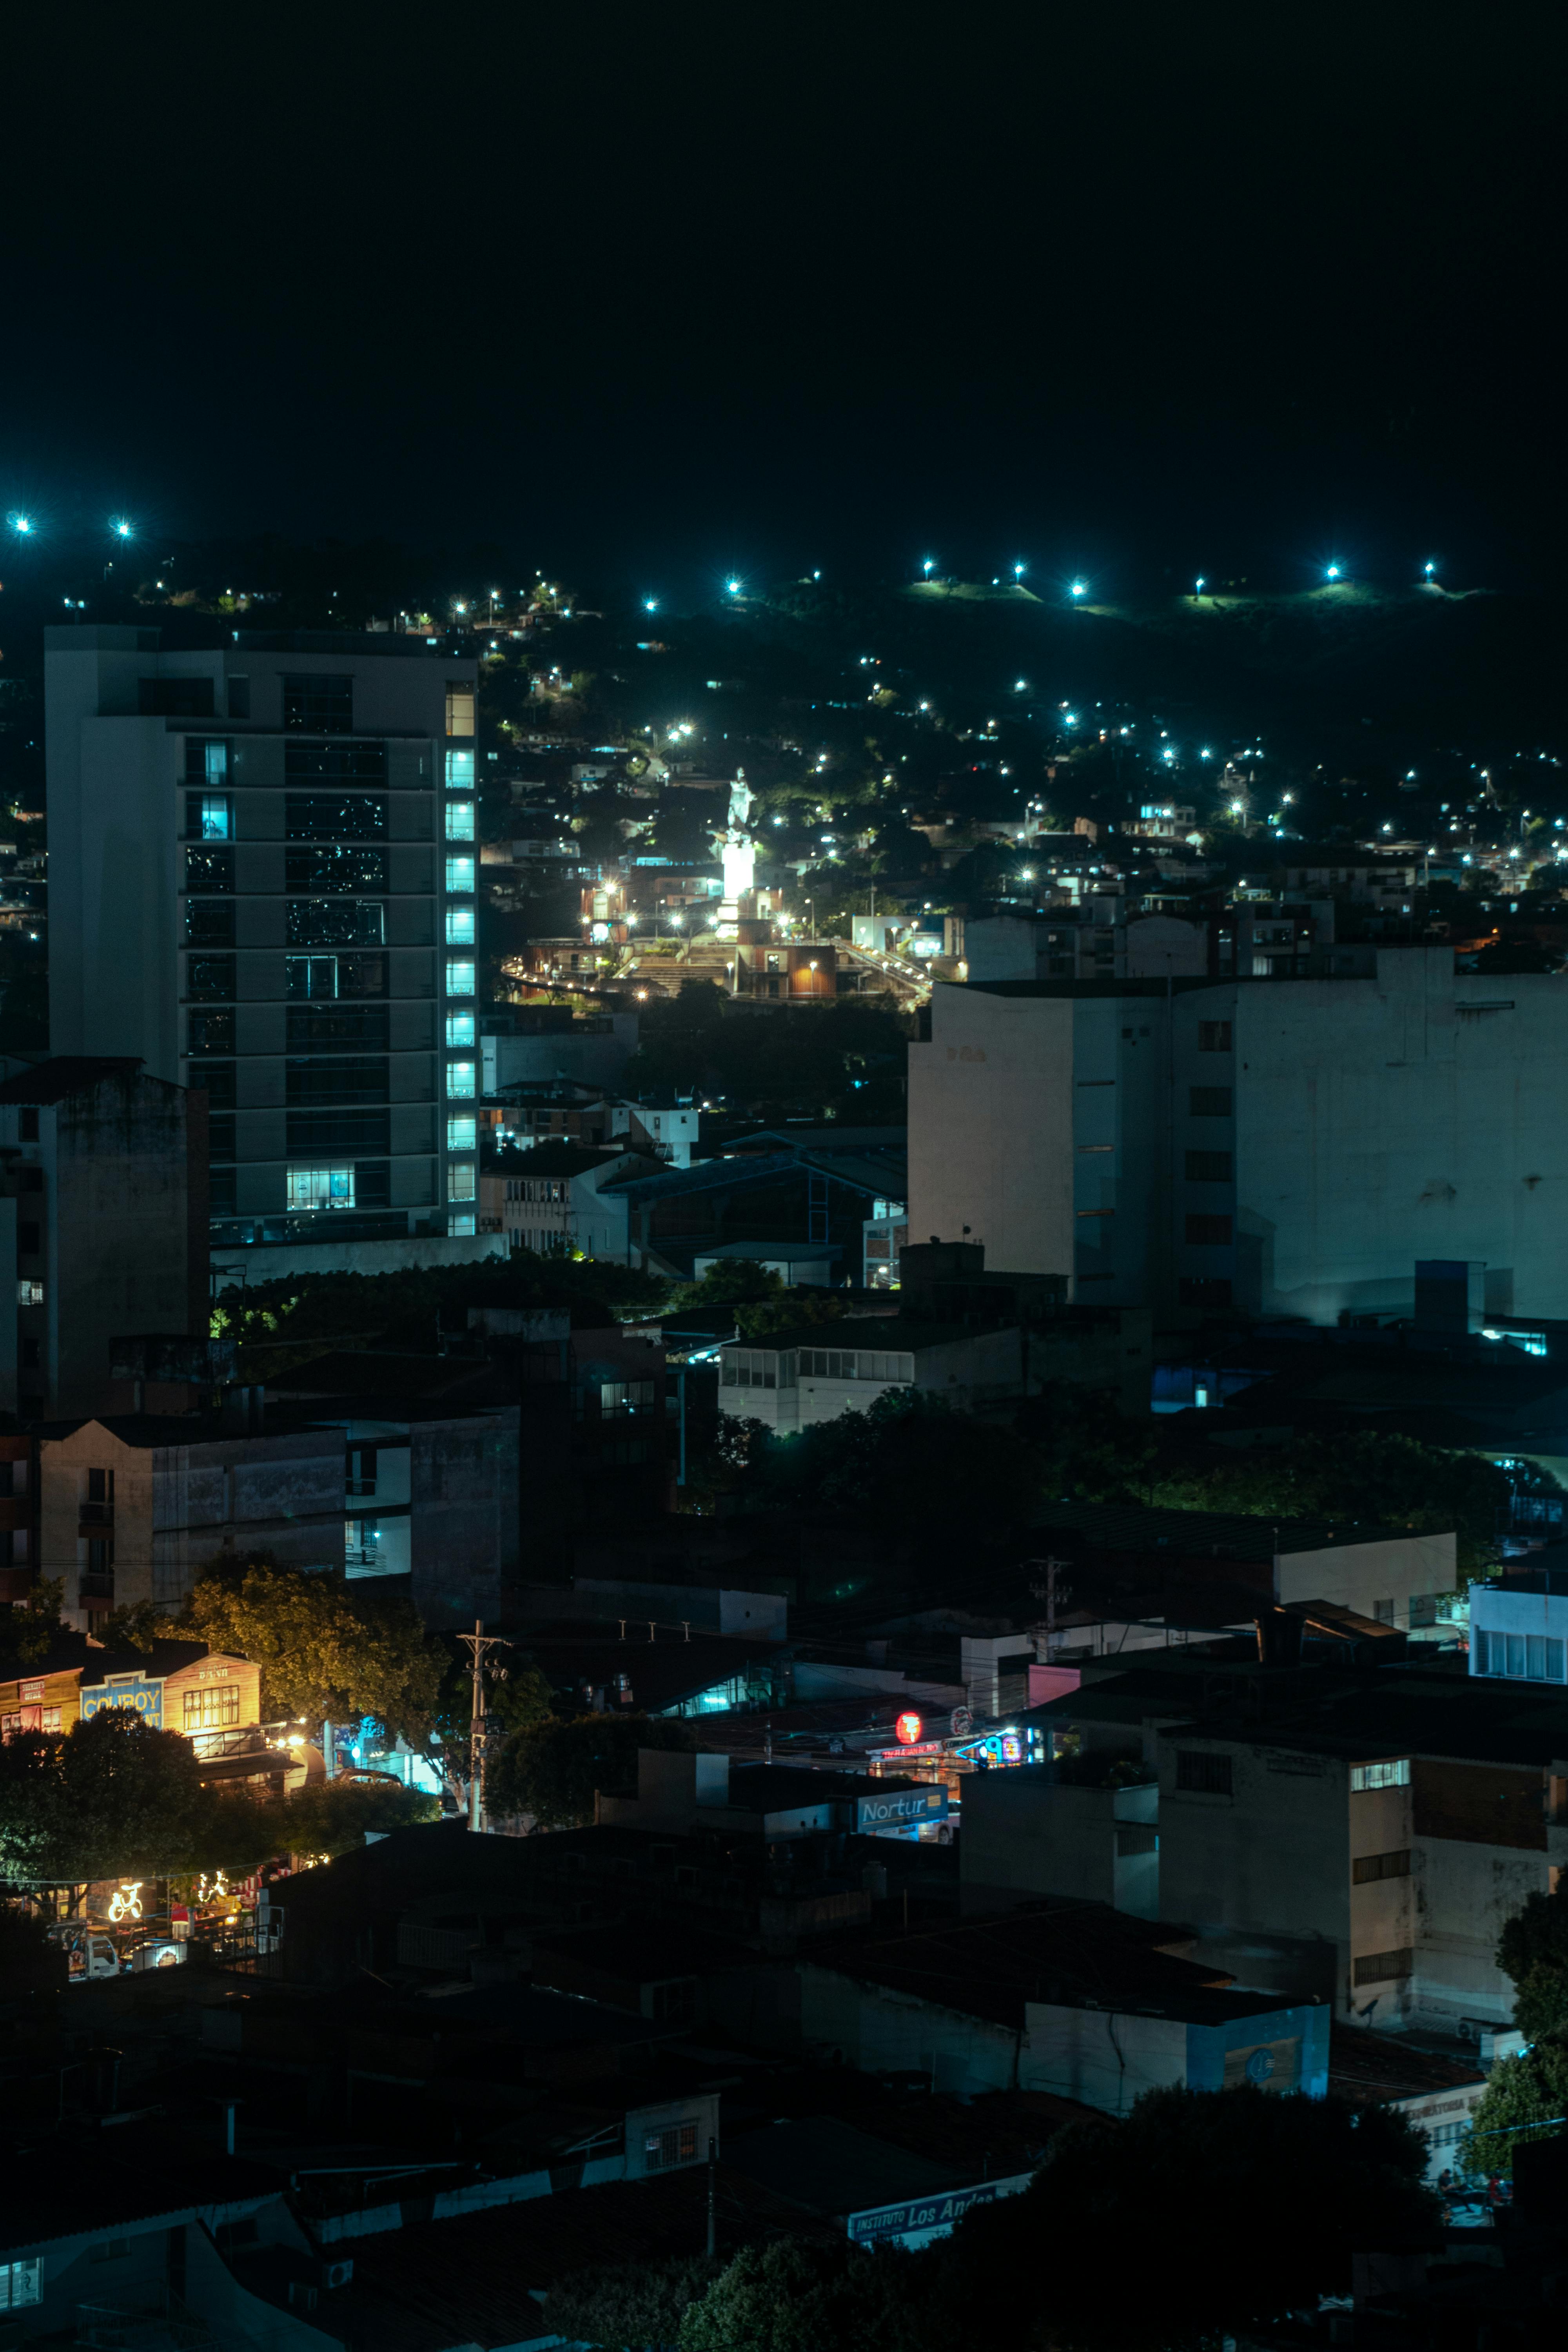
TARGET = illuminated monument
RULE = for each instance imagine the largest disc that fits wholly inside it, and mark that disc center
(738, 850)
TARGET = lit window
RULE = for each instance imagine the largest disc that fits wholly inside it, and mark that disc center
(1380, 1776)
(216, 817)
(21, 2283)
(460, 980)
(459, 927)
(462, 1222)
(460, 1080)
(459, 1028)
(460, 771)
(460, 710)
(459, 873)
(459, 819)
(320, 1188)
(29, 1294)
(460, 1180)
(462, 1135)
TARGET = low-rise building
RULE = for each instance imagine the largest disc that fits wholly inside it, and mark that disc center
(186, 1687)
(561, 1199)
(104, 1214)
(791, 1380)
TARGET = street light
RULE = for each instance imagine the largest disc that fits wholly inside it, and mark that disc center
(22, 525)
(1333, 573)
(121, 528)
(1428, 570)
(1019, 569)
(929, 566)
(650, 604)
(731, 587)
(1078, 588)
(1198, 585)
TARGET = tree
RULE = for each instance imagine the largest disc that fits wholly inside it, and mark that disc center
(1368, 1479)
(628, 2304)
(800, 2294)
(1533, 1951)
(909, 1461)
(553, 1769)
(332, 1817)
(29, 1629)
(324, 1657)
(111, 1797)
(1525, 2098)
(1243, 2207)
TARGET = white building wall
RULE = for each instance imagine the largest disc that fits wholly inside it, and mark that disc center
(1105, 2058)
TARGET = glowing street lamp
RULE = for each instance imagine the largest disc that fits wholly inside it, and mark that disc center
(1428, 572)
(121, 528)
(1198, 585)
(650, 604)
(929, 566)
(1078, 588)
(731, 587)
(22, 525)
(1333, 573)
(1019, 569)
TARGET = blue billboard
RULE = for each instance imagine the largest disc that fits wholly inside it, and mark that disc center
(901, 1808)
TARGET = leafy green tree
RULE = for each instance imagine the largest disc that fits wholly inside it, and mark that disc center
(796, 1309)
(728, 1280)
(908, 1461)
(29, 1629)
(324, 1657)
(627, 2305)
(1525, 2098)
(553, 1769)
(1366, 1479)
(111, 1796)
(799, 2294)
(332, 1817)
(1088, 1451)
(1533, 1951)
(1243, 2207)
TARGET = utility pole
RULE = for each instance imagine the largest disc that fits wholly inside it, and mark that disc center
(479, 1644)
(713, 2202)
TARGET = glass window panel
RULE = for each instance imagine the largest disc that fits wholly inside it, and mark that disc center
(1554, 1661)
(460, 1077)
(1515, 1667)
(459, 976)
(460, 700)
(459, 1029)
(216, 817)
(1535, 1657)
(459, 927)
(461, 1181)
(320, 1188)
(462, 1222)
(460, 771)
(462, 1135)
(459, 819)
(459, 873)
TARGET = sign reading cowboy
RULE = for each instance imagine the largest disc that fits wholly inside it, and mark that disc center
(901, 1807)
(919, 2218)
(145, 1697)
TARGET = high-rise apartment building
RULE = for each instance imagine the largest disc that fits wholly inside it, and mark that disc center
(1283, 1145)
(264, 864)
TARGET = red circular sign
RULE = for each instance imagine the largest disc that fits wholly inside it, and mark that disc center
(910, 1728)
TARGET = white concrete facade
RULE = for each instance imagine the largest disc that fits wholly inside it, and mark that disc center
(1290, 1146)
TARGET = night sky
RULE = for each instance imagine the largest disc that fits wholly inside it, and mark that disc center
(664, 295)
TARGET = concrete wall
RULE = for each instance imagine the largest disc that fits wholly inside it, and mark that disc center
(1358, 1576)
(175, 1506)
(268, 1263)
(1105, 2058)
(465, 1520)
(590, 1060)
(1026, 1833)
(881, 2032)
(1269, 1862)
(1374, 1120)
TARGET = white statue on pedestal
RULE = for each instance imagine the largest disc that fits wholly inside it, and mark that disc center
(736, 846)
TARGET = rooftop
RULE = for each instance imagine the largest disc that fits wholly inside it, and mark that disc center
(66, 1074)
